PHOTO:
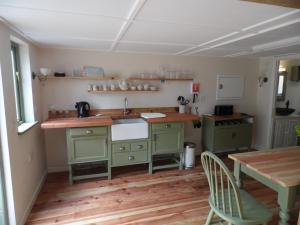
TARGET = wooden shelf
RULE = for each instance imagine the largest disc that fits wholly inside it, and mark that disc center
(120, 91)
(160, 78)
(43, 78)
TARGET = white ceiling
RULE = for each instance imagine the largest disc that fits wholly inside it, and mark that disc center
(227, 28)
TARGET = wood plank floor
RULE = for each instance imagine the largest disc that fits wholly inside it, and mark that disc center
(134, 197)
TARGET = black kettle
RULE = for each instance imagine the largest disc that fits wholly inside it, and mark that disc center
(83, 109)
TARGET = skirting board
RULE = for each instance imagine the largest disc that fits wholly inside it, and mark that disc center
(33, 199)
(55, 169)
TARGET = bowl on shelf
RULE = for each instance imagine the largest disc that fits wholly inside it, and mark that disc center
(133, 88)
(153, 88)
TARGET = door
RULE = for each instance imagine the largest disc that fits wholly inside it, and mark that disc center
(167, 141)
(86, 149)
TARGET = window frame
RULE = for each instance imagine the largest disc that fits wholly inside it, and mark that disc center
(18, 86)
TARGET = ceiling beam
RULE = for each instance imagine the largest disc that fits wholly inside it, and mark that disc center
(136, 8)
(284, 3)
(245, 30)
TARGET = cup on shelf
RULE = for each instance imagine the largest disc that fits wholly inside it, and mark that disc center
(140, 87)
(90, 87)
(112, 87)
(146, 87)
(95, 87)
(104, 87)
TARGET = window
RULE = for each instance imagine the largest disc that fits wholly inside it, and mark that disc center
(16, 66)
(281, 89)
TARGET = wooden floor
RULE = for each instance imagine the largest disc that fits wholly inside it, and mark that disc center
(134, 197)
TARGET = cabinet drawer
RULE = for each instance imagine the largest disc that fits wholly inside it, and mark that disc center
(121, 147)
(88, 131)
(128, 158)
(166, 126)
(139, 146)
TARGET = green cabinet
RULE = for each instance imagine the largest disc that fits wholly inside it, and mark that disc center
(91, 145)
(130, 152)
(222, 134)
(88, 149)
(167, 140)
(87, 145)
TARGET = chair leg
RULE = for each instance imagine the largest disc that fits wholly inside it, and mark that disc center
(209, 217)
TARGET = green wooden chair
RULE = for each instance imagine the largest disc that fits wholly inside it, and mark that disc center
(231, 204)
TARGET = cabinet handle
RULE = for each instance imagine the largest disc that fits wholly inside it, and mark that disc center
(168, 126)
(139, 147)
(88, 131)
(122, 148)
(131, 157)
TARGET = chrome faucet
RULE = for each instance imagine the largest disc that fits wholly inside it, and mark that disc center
(125, 111)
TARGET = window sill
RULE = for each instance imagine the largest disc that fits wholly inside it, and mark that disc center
(24, 127)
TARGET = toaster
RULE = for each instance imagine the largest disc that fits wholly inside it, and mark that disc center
(223, 110)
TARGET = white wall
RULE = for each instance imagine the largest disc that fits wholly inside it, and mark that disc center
(292, 87)
(62, 94)
(264, 104)
(25, 152)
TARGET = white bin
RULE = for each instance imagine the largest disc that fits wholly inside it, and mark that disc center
(189, 156)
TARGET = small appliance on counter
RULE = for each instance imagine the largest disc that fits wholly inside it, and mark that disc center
(223, 110)
(83, 109)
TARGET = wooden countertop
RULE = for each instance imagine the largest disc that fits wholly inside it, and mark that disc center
(107, 121)
(229, 117)
(77, 122)
(174, 117)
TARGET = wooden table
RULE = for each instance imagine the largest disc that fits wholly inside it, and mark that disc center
(278, 169)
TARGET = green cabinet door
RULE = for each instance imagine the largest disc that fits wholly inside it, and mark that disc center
(88, 148)
(167, 141)
(243, 136)
(224, 138)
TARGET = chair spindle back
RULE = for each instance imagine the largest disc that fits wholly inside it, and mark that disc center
(224, 193)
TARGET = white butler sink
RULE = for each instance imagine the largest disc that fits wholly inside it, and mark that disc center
(126, 129)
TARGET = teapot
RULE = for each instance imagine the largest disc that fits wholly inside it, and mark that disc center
(123, 84)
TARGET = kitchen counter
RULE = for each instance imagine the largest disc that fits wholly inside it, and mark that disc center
(174, 117)
(107, 121)
(77, 122)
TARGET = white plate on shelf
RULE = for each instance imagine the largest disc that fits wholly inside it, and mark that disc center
(152, 115)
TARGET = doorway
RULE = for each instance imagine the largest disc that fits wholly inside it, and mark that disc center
(286, 110)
